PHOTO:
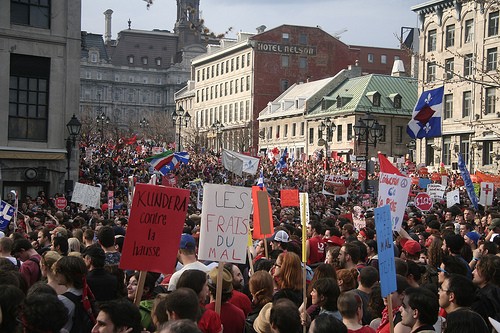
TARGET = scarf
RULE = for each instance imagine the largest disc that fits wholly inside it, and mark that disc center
(87, 300)
(385, 316)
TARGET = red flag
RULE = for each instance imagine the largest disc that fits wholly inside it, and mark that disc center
(131, 140)
(387, 167)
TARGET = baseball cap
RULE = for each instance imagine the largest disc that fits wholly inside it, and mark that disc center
(94, 251)
(412, 247)
(187, 242)
(473, 236)
(495, 223)
(281, 236)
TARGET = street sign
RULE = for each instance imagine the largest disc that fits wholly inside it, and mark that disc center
(423, 201)
(360, 158)
(60, 203)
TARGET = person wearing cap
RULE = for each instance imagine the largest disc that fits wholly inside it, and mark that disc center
(280, 240)
(494, 229)
(232, 317)
(471, 238)
(315, 244)
(187, 257)
(410, 250)
(103, 284)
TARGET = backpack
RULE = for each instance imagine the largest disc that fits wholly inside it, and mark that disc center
(37, 261)
(82, 323)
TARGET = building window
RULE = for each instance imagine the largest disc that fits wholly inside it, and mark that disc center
(237, 63)
(278, 130)
(225, 113)
(247, 110)
(487, 152)
(270, 133)
(248, 59)
(285, 131)
(222, 68)
(468, 64)
(294, 129)
(399, 134)
(242, 111)
(349, 132)
(303, 63)
(28, 97)
(431, 71)
(491, 59)
(232, 65)
(466, 104)
(489, 107)
(231, 87)
(382, 133)
(284, 60)
(242, 60)
(448, 106)
(311, 136)
(130, 59)
(449, 65)
(236, 86)
(94, 56)
(242, 86)
(397, 102)
(284, 85)
(383, 59)
(431, 40)
(285, 37)
(227, 66)
(302, 128)
(158, 61)
(144, 60)
(198, 75)
(339, 133)
(450, 35)
(370, 58)
(446, 151)
(469, 31)
(493, 24)
(303, 39)
(248, 82)
(216, 91)
(225, 89)
(464, 148)
(35, 13)
(376, 99)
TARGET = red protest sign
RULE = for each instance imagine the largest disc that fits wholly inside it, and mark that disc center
(262, 213)
(155, 228)
(289, 198)
(60, 203)
(423, 201)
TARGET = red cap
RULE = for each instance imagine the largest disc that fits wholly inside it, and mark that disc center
(412, 247)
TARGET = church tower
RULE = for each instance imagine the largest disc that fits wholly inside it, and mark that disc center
(188, 25)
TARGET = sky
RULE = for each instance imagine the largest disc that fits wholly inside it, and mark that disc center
(359, 22)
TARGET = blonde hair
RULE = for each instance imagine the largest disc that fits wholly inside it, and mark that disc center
(49, 258)
(74, 244)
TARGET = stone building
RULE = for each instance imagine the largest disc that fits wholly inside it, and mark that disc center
(459, 42)
(40, 56)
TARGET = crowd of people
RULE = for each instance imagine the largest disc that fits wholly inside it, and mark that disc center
(59, 269)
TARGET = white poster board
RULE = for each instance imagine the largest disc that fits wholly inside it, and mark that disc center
(452, 197)
(87, 195)
(225, 223)
(393, 191)
(486, 197)
(436, 191)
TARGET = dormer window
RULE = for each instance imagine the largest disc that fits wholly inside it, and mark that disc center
(374, 97)
(326, 103)
(130, 59)
(144, 60)
(158, 61)
(94, 56)
(343, 100)
(396, 100)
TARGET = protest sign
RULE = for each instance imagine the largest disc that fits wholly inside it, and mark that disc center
(304, 220)
(452, 198)
(393, 191)
(423, 182)
(154, 229)
(385, 246)
(436, 191)
(486, 197)
(335, 185)
(87, 195)
(262, 213)
(423, 201)
(225, 223)
(289, 198)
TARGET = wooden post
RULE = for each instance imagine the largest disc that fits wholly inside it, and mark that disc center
(140, 287)
(266, 252)
(218, 290)
(391, 316)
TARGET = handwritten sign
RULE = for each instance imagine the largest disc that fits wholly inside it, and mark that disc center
(87, 195)
(385, 246)
(393, 191)
(436, 191)
(335, 185)
(452, 198)
(154, 230)
(225, 223)
(486, 197)
(289, 198)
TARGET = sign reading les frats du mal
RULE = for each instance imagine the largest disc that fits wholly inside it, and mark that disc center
(286, 49)
(155, 227)
(225, 223)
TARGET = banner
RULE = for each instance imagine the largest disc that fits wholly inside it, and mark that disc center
(385, 246)
(452, 198)
(87, 195)
(155, 228)
(393, 191)
(335, 185)
(467, 181)
(486, 197)
(225, 223)
(6, 214)
(239, 163)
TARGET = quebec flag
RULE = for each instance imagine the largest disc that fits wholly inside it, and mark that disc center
(6, 214)
(426, 118)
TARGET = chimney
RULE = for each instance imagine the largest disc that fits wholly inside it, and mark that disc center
(261, 29)
(398, 69)
(107, 28)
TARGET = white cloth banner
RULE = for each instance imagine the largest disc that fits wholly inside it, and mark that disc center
(225, 223)
(239, 163)
(452, 197)
(87, 195)
(393, 191)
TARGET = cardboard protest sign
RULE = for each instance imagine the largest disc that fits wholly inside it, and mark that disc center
(225, 223)
(335, 185)
(385, 247)
(452, 198)
(393, 191)
(436, 191)
(154, 229)
(486, 197)
(262, 213)
(304, 220)
(423, 182)
(87, 195)
(289, 198)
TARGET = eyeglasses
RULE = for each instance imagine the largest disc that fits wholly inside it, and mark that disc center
(442, 270)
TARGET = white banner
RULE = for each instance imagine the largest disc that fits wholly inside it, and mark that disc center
(225, 223)
(393, 191)
(436, 191)
(452, 197)
(87, 195)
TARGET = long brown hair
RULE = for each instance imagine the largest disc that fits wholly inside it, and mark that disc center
(289, 276)
(261, 287)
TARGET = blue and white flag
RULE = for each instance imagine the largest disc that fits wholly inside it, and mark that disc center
(467, 181)
(282, 162)
(426, 118)
(260, 181)
(6, 214)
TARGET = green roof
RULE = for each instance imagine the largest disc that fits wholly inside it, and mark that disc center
(355, 94)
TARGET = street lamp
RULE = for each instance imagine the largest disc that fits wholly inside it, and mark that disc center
(74, 126)
(182, 118)
(328, 127)
(368, 130)
(101, 119)
(143, 123)
(216, 129)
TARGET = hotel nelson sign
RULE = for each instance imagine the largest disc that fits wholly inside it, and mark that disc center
(287, 49)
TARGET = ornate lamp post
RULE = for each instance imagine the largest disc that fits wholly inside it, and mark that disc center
(368, 131)
(101, 119)
(74, 126)
(216, 129)
(328, 127)
(182, 118)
